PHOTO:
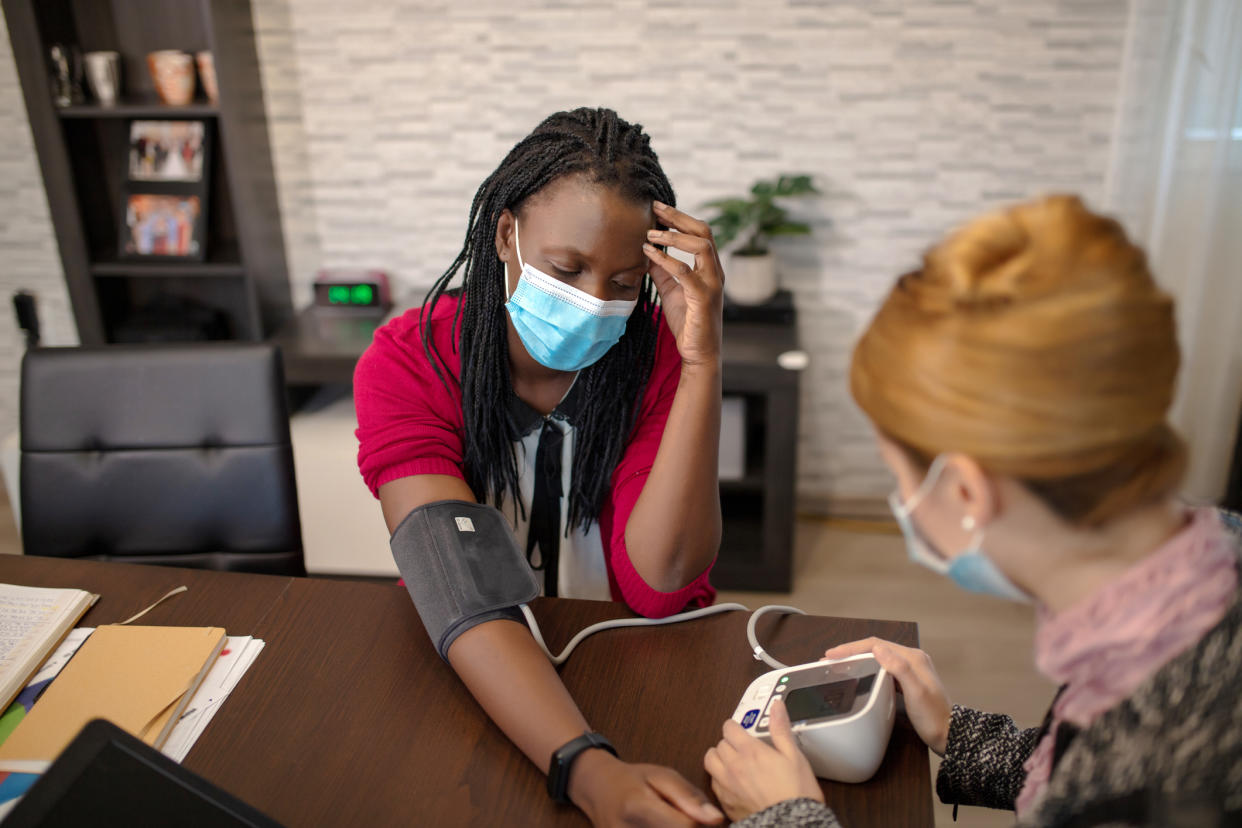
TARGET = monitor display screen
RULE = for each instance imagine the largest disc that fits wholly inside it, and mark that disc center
(829, 700)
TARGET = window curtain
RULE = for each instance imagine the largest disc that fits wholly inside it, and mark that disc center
(1175, 181)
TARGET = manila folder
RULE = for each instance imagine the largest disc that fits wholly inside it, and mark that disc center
(139, 678)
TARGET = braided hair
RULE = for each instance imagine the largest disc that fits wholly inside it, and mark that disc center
(608, 151)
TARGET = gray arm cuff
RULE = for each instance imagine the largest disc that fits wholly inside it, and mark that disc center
(506, 614)
(462, 567)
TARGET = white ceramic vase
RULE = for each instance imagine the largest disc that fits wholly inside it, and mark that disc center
(103, 74)
(750, 280)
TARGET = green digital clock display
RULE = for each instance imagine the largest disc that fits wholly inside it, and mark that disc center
(348, 294)
(351, 295)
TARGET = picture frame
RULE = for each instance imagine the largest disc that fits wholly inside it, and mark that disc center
(166, 150)
(164, 202)
(163, 225)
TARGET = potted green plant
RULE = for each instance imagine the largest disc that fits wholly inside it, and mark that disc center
(751, 277)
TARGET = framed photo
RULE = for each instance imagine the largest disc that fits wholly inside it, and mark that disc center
(164, 203)
(163, 225)
(167, 150)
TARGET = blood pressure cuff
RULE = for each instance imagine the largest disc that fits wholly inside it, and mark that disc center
(462, 566)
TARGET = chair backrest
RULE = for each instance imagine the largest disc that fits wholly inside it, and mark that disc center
(175, 454)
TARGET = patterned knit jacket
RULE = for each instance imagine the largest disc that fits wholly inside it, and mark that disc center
(1169, 755)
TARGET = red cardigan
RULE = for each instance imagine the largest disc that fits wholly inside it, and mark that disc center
(410, 424)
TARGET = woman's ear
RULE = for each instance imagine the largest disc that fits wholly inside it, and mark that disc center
(976, 495)
(504, 236)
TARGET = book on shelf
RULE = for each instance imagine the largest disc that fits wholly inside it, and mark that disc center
(33, 622)
(140, 678)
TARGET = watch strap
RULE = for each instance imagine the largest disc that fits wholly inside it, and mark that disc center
(563, 759)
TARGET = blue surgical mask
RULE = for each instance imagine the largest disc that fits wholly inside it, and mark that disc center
(971, 570)
(563, 328)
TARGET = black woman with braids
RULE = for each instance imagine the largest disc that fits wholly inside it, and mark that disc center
(572, 381)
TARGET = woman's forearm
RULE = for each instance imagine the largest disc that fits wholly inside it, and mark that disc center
(518, 688)
(513, 681)
(674, 531)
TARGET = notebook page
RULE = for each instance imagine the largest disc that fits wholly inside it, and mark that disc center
(28, 615)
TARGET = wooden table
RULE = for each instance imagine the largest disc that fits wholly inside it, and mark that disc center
(348, 717)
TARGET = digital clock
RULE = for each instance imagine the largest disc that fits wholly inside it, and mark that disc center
(358, 289)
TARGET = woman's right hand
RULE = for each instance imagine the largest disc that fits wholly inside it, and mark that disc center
(927, 704)
(691, 296)
(616, 793)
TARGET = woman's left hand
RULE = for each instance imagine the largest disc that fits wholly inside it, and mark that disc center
(693, 297)
(749, 776)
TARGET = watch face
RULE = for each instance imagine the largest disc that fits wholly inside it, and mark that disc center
(563, 759)
(347, 294)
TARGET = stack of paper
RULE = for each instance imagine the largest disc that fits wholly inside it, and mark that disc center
(232, 663)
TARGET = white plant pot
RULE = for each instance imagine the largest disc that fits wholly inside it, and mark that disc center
(750, 280)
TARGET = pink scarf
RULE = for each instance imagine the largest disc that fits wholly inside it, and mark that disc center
(1106, 645)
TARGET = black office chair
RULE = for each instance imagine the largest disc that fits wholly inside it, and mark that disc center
(176, 455)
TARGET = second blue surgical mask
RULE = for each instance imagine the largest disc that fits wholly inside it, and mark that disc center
(562, 327)
(971, 569)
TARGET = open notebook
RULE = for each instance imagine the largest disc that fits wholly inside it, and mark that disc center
(33, 621)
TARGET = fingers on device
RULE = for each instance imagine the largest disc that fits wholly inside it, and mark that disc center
(842, 713)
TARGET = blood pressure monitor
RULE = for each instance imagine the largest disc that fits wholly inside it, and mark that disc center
(841, 711)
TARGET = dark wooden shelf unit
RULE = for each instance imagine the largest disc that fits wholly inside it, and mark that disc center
(152, 108)
(321, 345)
(756, 547)
(222, 260)
(243, 277)
(748, 483)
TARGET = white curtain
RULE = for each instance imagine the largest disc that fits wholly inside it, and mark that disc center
(1176, 181)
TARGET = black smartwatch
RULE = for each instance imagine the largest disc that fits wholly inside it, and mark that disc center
(563, 759)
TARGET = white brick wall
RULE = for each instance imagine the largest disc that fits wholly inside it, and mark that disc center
(912, 114)
(28, 256)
